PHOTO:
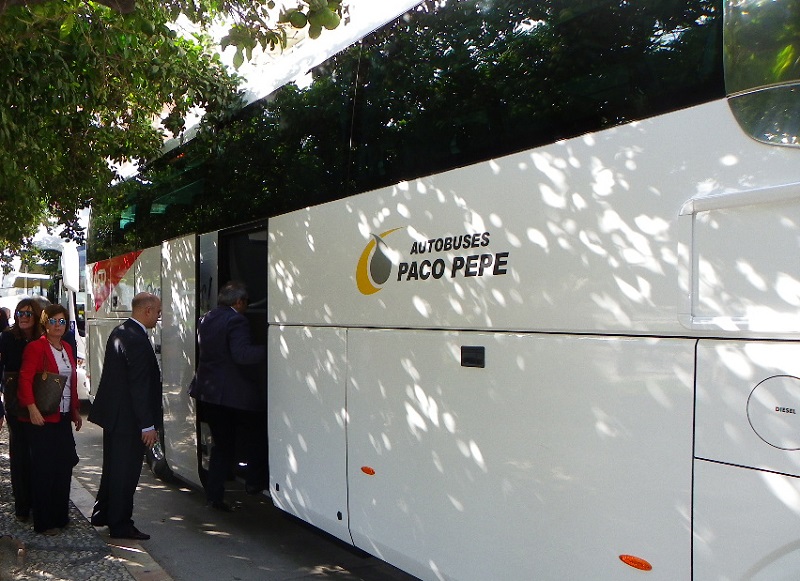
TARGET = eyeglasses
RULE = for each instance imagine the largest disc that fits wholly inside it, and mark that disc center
(57, 321)
(26, 314)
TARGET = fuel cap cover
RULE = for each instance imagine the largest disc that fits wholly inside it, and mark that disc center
(772, 410)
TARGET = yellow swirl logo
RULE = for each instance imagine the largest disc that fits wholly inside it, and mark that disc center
(374, 266)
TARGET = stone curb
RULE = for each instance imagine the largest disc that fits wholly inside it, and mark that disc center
(132, 554)
(80, 552)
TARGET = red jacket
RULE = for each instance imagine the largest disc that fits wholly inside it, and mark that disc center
(36, 358)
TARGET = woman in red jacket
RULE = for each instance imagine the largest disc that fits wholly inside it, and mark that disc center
(52, 444)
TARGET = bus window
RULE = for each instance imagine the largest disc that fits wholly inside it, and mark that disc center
(762, 68)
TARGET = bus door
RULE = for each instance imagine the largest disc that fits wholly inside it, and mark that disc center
(208, 286)
(179, 263)
(243, 257)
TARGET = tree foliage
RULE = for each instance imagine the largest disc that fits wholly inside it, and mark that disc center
(83, 84)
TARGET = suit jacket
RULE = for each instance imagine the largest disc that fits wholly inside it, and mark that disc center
(226, 371)
(38, 357)
(128, 397)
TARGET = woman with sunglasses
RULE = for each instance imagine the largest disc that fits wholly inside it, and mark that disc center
(52, 444)
(26, 328)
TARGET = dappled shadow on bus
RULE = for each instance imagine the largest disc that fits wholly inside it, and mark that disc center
(549, 420)
(598, 260)
(582, 236)
(179, 258)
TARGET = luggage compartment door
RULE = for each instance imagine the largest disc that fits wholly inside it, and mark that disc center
(307, 369)
(500, 456)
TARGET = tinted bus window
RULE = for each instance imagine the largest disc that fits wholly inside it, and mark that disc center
(446, 85)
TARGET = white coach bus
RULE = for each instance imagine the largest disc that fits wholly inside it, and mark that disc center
(528, 274)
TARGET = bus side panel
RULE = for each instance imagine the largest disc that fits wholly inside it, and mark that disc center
(583, 235)
(558, 456)
(97, 332)
(306, 403)
(743, 280)
(114, 283)
(178, 350)
(746, 524)
(739, 386)
(147, 273)
(747, 491)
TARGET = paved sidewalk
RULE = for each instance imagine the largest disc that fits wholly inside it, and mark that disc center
(79, 553)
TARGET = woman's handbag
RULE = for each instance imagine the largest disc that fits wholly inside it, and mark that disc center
(10, 393)
(47, 391)
(48, 388)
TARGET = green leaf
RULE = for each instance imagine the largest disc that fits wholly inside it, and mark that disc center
(86, 86)
(238, 58)
(67, 25)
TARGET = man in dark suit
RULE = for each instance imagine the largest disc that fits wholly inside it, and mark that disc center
(229, 395)
(128, 408)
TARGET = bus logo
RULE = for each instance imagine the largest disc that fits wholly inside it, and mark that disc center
(374, 265)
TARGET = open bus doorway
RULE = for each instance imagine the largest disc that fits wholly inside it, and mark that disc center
(241, 255)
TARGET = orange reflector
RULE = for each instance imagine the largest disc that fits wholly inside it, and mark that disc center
(636, 562)
(368, 471)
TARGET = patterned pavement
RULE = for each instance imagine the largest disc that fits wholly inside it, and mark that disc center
(79, 553)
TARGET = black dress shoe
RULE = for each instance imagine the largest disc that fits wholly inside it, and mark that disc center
(97, 521)
(132, 533)
(220, 506)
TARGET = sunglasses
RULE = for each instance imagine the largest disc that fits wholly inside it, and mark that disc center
(57, 321)
(26, 314)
